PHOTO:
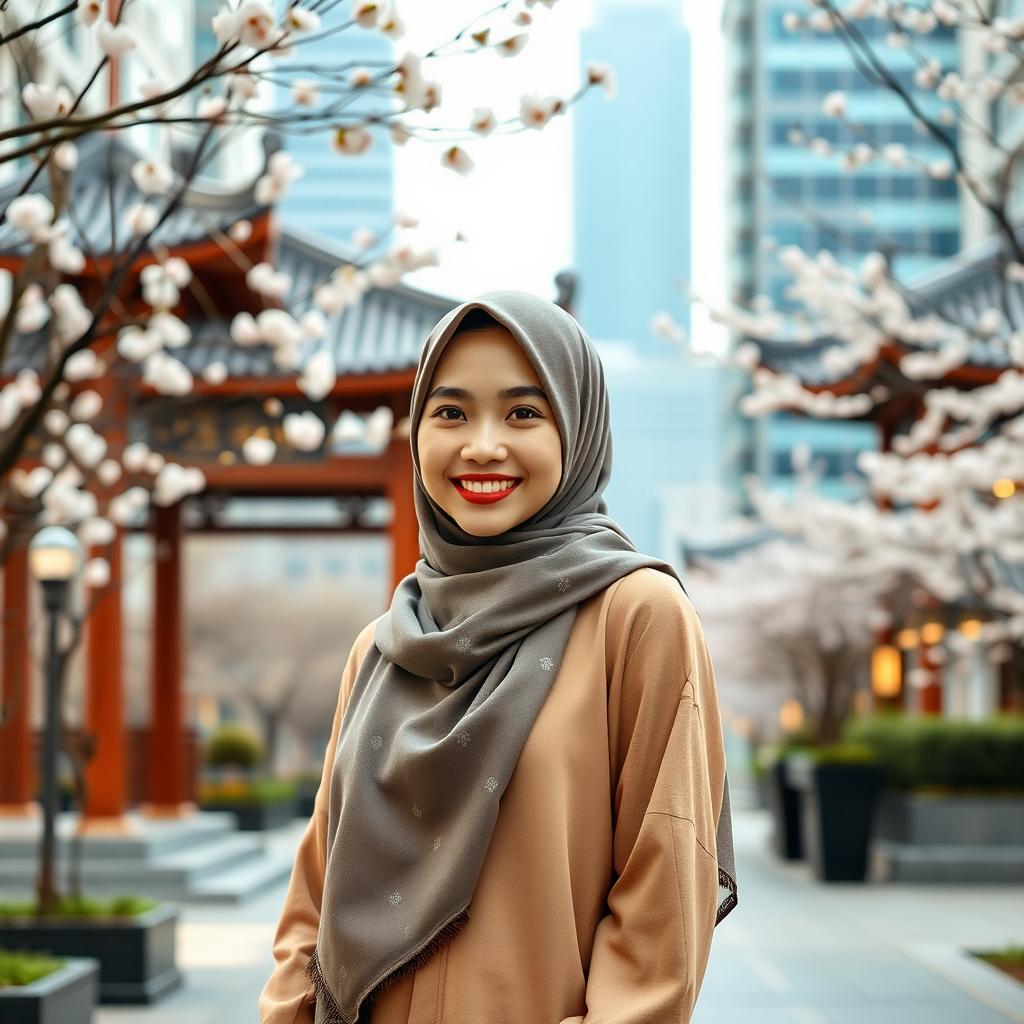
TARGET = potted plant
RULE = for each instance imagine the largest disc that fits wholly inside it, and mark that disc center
(839, 785)
(41, 989)
(133, 940)
(953, 806)
(230, 783)
(783, 798)
(307, 785)
(257, 803)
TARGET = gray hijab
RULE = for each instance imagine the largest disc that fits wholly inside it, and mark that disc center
(461, 663)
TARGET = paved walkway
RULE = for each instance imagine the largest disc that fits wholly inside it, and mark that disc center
(793, 952)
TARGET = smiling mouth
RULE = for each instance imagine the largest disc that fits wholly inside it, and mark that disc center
(482, 497)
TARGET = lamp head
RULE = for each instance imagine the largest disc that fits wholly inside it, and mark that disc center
(54, 554)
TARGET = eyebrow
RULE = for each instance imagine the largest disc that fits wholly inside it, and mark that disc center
(522, 391)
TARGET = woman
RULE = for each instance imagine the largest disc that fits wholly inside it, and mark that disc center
(523, 816)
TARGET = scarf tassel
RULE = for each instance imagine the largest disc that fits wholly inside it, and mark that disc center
(414, 963)
(728, 882)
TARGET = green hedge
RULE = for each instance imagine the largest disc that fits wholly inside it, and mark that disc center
(17, 968)
(927, 751)
(768, 754)
(234, 745)
(248, 792)
(69, 906)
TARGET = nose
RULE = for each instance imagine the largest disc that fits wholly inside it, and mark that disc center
(485, 444)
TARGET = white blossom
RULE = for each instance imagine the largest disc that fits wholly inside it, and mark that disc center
(301, 19)
(305, 93)
(96, 572)
(86, 405)
(535, 112)
(141, 218)
(318, 375)
(88, 12)
(29, 213)
(254, 22)
(483, 121)
(258, 450)
(602, 74)
(304, 431)
(512, 45)
(352, 141)
(65, 156)
(46, 101)
(115, 40)
(458, 160)
(152, 176)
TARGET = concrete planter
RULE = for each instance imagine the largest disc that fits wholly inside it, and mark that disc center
(951, 837)
(965, 819)
(136, 954)
(257, 817)
(67, 996)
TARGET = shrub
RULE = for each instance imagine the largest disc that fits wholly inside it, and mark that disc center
(768, 754)
(844, 753)
(250, 791)
(18, 968)
(234, 745)
(71, 906)
(929, 751)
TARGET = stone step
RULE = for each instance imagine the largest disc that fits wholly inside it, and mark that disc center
(244, 881)
(911, 862)
(202, 859)
(20, 837)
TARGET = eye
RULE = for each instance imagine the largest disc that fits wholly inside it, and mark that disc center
(454, 408)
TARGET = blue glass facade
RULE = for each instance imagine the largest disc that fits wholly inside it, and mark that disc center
(776, 82)
(631, 163)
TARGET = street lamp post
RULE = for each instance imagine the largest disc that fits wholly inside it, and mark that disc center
(54, 554)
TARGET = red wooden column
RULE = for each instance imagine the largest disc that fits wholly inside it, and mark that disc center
(17, 772)
(104, 714)
(405, 530)
(166, 793)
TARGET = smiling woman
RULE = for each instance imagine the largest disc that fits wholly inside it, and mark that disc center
(489, 459)
(523, 814)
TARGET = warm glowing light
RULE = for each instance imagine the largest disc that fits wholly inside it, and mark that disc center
(971, 628)
(932, 632)
(886, 670)
(907, 638)
(1004, 488)
(791, 715)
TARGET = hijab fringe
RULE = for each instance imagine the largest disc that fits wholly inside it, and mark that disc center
(727, 881)
(334, 1014)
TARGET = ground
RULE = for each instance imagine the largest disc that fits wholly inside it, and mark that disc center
(793, 952)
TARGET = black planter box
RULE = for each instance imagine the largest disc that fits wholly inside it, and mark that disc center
(136, 955)
(784, 803)
(257, 817)
(839, 802)
(67, 996)
(305, 798)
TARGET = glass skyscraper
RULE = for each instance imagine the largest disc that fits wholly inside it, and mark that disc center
(777, 189)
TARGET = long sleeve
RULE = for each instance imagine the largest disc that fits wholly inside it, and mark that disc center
(288, 996)
(651, 949)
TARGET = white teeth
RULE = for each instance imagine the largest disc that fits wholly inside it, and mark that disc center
(487, 486)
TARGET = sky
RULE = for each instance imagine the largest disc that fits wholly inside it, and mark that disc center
(515, 208)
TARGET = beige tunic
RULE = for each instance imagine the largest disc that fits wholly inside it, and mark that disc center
(596, 900)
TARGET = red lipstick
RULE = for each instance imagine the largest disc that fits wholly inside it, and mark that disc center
(484, 499)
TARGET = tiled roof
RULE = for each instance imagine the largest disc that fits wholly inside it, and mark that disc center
(960, 289)
(102, 181)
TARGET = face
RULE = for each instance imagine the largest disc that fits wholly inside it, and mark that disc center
(486, 417)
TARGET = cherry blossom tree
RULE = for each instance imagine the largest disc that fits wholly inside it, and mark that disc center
(942, 509)
(89, 477)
